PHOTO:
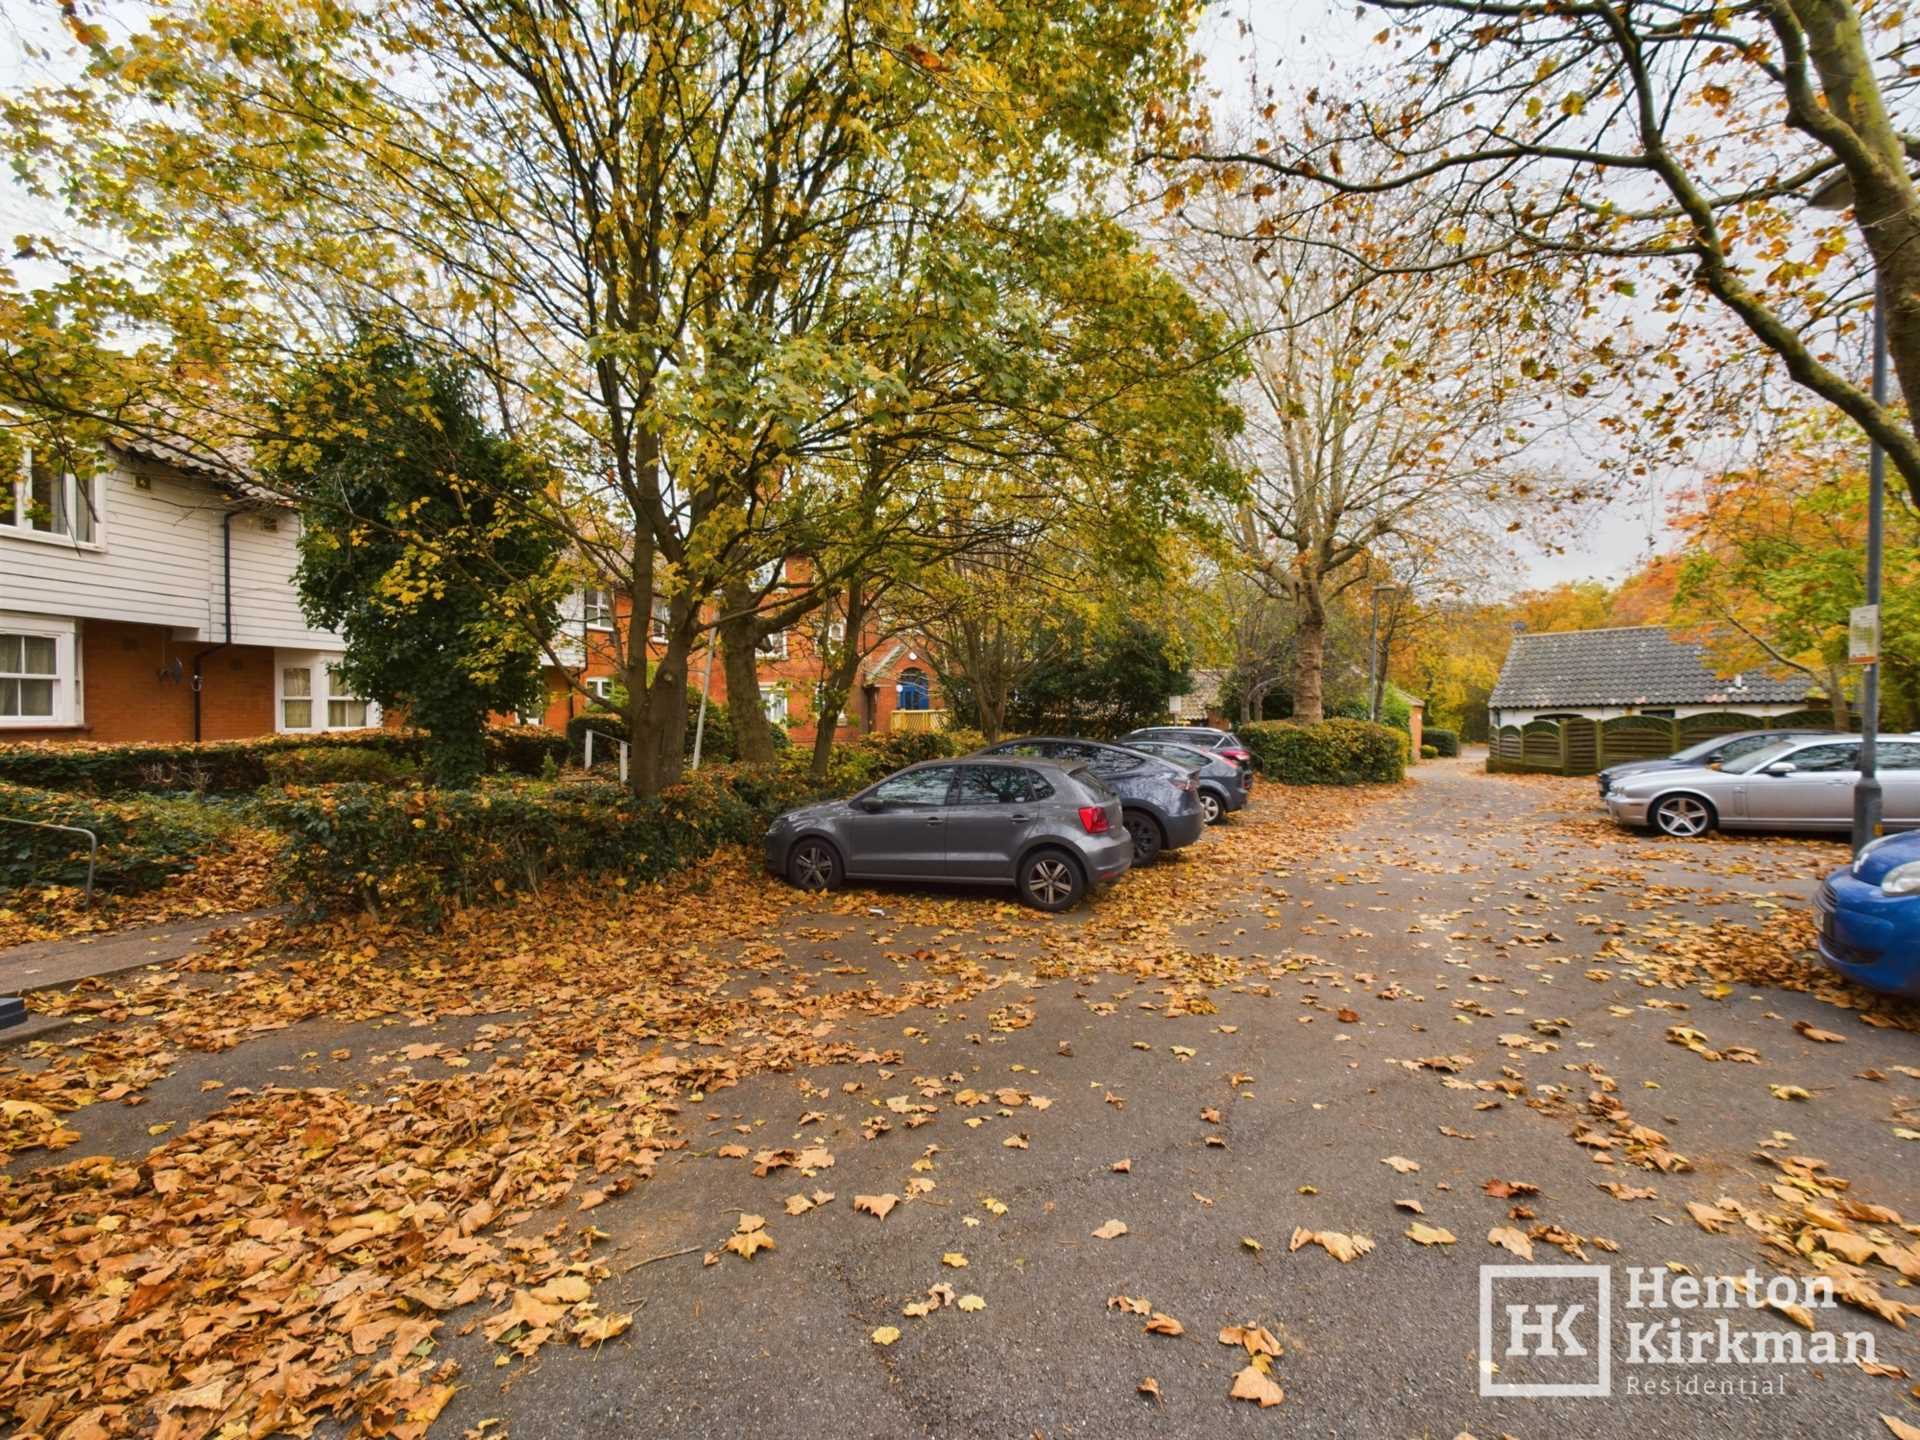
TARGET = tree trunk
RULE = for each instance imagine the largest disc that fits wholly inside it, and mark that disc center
(1837, 699)
(657, 712)
(837, 684)
(740, 658)
(1310, 656)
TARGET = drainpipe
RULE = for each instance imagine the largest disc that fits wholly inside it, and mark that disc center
(226, 549)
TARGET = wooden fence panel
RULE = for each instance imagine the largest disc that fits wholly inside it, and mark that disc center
(1540, 744)
(1636, 737)
(1582, 744)
(1695, 728)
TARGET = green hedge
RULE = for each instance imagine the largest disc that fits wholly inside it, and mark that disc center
(335, 764)
(226, 766)
(1334, 752)
(143, 838)
(415, 850)
(1447, 742)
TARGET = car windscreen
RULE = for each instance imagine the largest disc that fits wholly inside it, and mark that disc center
(1701, 750)
(1754, 759)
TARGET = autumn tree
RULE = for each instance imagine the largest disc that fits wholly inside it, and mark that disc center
(634, 222)
(1683, 145)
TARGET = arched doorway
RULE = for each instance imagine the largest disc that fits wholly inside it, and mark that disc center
(913, 691)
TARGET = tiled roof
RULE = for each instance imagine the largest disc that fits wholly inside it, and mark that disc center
(1644, 665)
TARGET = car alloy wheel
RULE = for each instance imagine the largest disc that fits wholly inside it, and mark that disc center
(814, 866)
(1144, 831)
(1049, 881)
(1210, 807)
(1683, 817)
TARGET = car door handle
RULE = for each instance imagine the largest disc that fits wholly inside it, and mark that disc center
(1019, 819)
(937, 820)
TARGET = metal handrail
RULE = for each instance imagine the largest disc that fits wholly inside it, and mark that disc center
(93, 843)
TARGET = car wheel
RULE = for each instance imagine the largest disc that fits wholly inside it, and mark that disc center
(1050, 880)
(1211, 807)
(1683, 816)
(814, 865)
(1144, 831)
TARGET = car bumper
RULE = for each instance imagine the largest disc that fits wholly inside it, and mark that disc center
(1185, 829)
(1108, 860)
(1868, 936)
(1627, 809)
(778, 843)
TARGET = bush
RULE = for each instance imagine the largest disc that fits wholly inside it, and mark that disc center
(143, 839)
(414, 850)
(328, 765)
(1446, 742)
(1334, 752)
(234, 765)
(1394, 710)
(717, 744)
(1429, 752)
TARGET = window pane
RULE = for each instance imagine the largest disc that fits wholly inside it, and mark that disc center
(991, 785)
(42, 482)
(296, 680)
(297, 714)
(9, 698)
(346, 713)
(37, 654)
(36, 697)
(10, 653)
(921, 787)
(83, 511)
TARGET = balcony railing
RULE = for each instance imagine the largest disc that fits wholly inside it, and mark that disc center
(918, 720)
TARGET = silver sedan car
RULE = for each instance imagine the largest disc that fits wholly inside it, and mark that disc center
(1805, 783)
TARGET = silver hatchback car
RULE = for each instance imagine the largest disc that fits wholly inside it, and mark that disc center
(1797, 784)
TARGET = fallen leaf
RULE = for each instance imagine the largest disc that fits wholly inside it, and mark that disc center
(1256, 1385)
(886, 1335)
(1508, 1238)
(1159, 1324)
(1400, 1163)
(1112, 1230)
(878, 1206)
(1429, 1234)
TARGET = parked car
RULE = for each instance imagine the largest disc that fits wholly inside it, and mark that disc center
(1050, 830)
(1207, 737)
(1161, 798)
(1804, 784)
(1716, 751)
(1869, 916)
(1222, 788)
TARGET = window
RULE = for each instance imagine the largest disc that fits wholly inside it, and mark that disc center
(600, 687)
(296, 697)
(1745, 745)
(768, 575)
(773, 700)
(46, 500)
(29, 677)
(660, 616)
(916, 787)
(1844, 756)
(993, 785)
(1896, 755)
(596, 609)
(345, 710)
(913, 692)
(774, 646)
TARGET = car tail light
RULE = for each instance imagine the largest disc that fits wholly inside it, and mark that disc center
(1185, 785)
(1093, 818)
(1238, 756)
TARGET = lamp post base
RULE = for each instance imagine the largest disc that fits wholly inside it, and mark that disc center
(1866, 811)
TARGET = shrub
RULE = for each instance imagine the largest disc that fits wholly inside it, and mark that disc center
(1429, 752)
(327, 765)
(1334, 752)
(1446, 742)
(233, 765)
(717, 744)
(143, 838)
(1394, 710)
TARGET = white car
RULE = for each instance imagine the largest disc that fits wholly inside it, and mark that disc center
(1798, 784)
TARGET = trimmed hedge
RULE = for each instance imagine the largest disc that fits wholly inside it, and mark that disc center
(1429, 752)
(416, 851)
(335, 764)
(1447, 742)
(143, 839)
(235, 765)
(1334, 752)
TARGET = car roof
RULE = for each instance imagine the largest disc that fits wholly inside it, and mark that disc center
(1121, 746)
(1007, 762)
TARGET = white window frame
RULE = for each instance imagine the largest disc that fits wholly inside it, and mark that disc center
(65, 635)
(13, 509)
(319, 666)
(343, 697)
(589, 609)
(770, 574)
(600, 687)
(773, 701)
(772, 646)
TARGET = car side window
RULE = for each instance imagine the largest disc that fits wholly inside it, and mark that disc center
(916, 787)
(1071, 750)
(1825, 757)
(1734, 749)
(991, 785)
(1896, 755)
(1029, 748)
(1114, 762)
(1037, 786)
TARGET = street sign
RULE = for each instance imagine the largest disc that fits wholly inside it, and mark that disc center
(1863, 635)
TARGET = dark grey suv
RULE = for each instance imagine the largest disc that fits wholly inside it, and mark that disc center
(1161, 798)
(1049, 830)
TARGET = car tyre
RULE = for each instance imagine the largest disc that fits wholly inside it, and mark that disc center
(815, 865)
(1051, 880)
(1148, 842)
(1211, 807)
(1683, 817)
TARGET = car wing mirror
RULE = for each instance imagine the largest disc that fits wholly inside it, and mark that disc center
(1782, 767)
(872, 804)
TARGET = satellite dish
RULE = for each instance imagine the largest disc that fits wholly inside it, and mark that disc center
(173, 672)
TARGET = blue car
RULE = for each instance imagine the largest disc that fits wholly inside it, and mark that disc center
(1869, 916)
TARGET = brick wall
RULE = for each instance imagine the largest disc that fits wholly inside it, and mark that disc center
(124, 698)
